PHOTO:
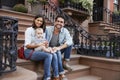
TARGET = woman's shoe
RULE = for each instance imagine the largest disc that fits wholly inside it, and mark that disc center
(56, 78)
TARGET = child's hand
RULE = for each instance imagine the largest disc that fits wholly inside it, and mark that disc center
(46, 43)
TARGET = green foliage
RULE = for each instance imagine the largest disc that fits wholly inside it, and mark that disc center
(61, 1)
(20, 8)
(87, 4)
(36, 1)
(31, 1)
(117, 12)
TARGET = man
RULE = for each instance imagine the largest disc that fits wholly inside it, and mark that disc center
(60, 36)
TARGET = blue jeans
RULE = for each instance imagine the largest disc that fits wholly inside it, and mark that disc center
(57, 64)
(67, 52)
(47, 57)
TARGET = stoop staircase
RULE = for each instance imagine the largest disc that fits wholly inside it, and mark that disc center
(103, 28)
(29, 70)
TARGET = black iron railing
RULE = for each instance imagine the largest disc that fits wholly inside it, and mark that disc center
(77, 6)
(84, 42)
(112, 18)
(116, 18)
(8, 44)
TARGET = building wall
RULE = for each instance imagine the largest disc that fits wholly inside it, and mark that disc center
(110, 6)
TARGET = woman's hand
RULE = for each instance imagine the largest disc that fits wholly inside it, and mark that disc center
(41, 44)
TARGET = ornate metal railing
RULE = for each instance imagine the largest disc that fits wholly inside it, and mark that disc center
(116, 18)
(112, 18)
(85, 43)
(77, 6)
(8, 44)
(98, 45)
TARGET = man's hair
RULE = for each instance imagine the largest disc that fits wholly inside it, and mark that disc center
(59, 16)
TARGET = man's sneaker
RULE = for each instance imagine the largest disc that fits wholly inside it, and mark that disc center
(67, 67)
(62, 77)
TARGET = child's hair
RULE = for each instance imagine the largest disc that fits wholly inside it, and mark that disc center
(38, 29)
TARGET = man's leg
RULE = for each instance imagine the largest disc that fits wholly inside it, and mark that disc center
(67, 53)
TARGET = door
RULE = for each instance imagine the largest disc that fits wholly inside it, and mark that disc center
(98, 10)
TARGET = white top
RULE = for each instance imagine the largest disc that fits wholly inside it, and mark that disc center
(29, 36)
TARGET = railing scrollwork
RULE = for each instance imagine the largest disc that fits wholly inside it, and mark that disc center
(8, 44)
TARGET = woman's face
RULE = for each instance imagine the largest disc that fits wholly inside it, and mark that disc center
(38, 22)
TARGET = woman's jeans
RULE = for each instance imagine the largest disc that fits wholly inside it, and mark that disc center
(67, 52)
(47, 57)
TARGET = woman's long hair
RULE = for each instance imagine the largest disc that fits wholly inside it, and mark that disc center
(43, 26)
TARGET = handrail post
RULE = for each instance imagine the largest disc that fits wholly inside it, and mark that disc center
(8, 44)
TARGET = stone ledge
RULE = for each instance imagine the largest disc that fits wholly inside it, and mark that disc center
(19, 74)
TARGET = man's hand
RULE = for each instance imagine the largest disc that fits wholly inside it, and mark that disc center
(55, 49)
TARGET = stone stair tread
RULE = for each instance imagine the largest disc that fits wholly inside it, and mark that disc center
(109, 28)
(78, 67)
(16, 14)
(114, 32)
(75, 55)
(89, 77)
(20, 74)
(22, 60)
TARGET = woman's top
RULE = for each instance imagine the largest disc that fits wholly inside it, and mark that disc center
(29, 36)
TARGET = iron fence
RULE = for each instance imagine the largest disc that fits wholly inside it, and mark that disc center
(8, 44)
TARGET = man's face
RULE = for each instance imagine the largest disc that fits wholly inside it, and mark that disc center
(59, 23)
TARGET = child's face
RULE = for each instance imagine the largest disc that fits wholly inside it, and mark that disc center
(39, 33)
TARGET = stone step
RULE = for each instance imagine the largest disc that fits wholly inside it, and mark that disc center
(114, 32)
(25, 21)
(31, 65)
(21, 34)
(88, 77)
(19, 74)
(108, 28)
(78, 70)
(20, 42)
(23, 26)
(74, 58)
(19, 15)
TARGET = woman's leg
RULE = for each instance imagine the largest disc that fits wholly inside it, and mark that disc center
(47, 57)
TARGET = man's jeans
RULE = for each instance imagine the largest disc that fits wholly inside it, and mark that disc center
(57, 64)
(67, 52)
(47, 57)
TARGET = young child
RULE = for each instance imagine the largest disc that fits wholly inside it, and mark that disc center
(39, 38)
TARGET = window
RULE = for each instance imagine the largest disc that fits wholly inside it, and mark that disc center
(116, 6)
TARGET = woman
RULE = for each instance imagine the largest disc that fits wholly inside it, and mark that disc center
(39, 22)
